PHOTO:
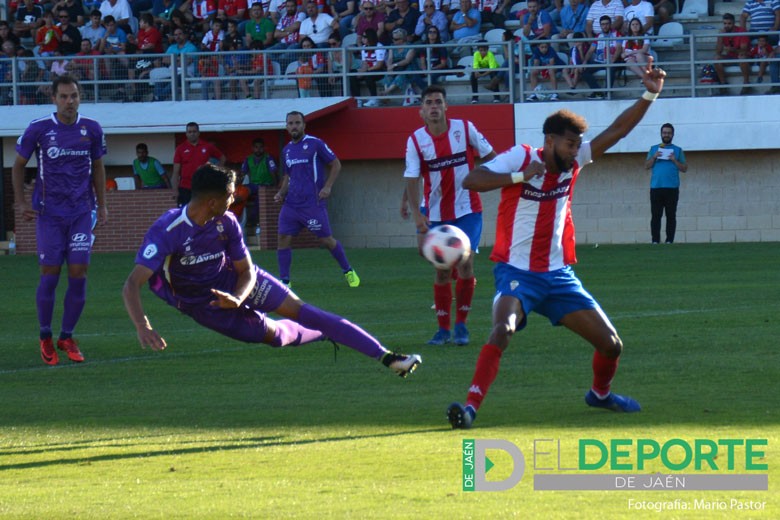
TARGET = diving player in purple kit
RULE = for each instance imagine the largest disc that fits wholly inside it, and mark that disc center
(71, 177)
(195, 259)
(310, 170)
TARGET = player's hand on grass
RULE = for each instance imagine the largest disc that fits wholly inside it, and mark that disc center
(224, 300)
(149, 337)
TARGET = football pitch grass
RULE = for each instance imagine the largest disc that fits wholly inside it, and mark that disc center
(213, 428)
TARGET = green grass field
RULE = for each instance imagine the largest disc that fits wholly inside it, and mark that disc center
(212, 428)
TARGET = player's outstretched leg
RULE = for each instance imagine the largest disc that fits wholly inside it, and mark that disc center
(291, 334)
(401, 364)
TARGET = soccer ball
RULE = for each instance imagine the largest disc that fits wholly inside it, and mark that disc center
(446, 246)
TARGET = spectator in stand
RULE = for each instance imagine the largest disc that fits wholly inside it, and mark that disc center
(400, 57)
(732, 46)
(258, 27)
(371, 60)
(71, 37)
(403, 17)
(465, 25)
(612, 8)
(432, 17)
(370, 17)
(484, 65)
(432, 58)
(120, 10)
(29, 17)
(762, 53)
(208, 66)
(74, 8)
(602, 52)
(162, 11)
(336, 66)
(7, 35)
(636, 47)
(643, 10)
(7, 54)
(232, 10)
(178, 20)
(309, 63)
(261, 66)
(544, 56)
(162, 75)
(236, 64)
(94, 31)
(577, 59)
(537, 23)
(84, 69)
(764, 16)
(317, 26)
(114, 38)
(286, 32)
(48, 36)
(201, 15)
(149, 37)
(344, 11)
(493, 12)
(573, 16)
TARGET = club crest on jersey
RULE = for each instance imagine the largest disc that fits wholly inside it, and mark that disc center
(457, 134)
(220, 227)
(83, 130)
(305, 146)
(514, 284)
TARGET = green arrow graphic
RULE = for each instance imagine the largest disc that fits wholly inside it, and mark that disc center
(488, 464)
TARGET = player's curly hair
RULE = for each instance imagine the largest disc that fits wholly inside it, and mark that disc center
(563, 120)
(211, 179)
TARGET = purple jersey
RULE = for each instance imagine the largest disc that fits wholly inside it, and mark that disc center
(65, 153)
(190, 260)
(305, 162)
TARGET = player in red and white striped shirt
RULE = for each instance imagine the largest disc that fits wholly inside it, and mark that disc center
(443, 152)
(534, 248)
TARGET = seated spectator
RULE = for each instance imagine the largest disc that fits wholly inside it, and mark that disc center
(573, 16)
(84, 67)
(641, 9)
(236, 64)
(544, 56)
(465, 25)
(399, 57)
(94, 30)
(370, 17)
(7, 35)
(48, 36)
(371, 61)
(537, 24)
(286, 31)
(208, 66)
(762, 52)
(7, 54)
(336, 66)
(432, 58)
(161, 76)
(432, 17)
(74, 9)
(232, 10)
(402, 17)
(114, 38)
(317, 26)
(612, 8)
(200, 15)
(258, 27)
(149, 37)
(29, 17)
(577, 54)
(71, 37)
(163, 10)
(602, 52)
(636, 47)
(761, 16)
(261, 67)
(344, 11)
(121, 11)
(494, 12)
(774, 71)
(149, 173)
(178, 20)
(484, 66)
(309, 63)
(731, 46)
(511, 58)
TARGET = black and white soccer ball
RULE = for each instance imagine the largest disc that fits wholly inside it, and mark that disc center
(446, 246)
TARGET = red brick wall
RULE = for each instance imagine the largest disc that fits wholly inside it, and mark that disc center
(130, 213)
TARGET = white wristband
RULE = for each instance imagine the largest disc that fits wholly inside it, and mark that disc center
(518, 177)
(650, 96)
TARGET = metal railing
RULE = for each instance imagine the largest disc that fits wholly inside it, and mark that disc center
(265, 74)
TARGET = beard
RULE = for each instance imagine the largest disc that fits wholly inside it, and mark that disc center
(666, 140)
(560, 163)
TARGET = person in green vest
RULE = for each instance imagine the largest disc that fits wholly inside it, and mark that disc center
(148, 170)
(260, 170)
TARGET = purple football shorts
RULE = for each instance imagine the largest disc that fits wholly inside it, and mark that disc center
(313, 218)
(64, 238)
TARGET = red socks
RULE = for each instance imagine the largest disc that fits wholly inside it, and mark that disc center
(604, 369)
(442, 298)
(484, 374)
(464, 293)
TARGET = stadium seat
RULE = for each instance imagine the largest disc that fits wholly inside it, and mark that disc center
(350, 40)
(669, 35)
(495, 36)
(466, 62)
(692, 10)
(511, 20)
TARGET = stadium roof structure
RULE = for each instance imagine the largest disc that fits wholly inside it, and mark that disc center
(167, 116)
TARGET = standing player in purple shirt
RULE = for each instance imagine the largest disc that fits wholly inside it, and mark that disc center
(71, 177)
(195, 259)
(310, 170)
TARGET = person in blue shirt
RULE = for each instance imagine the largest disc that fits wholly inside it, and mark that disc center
(667, 161)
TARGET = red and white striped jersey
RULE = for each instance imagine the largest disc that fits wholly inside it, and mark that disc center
(534, 228)
(443, 162)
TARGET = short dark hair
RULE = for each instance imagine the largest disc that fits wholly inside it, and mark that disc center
(147, 18)
(295, 113)
(211, 179)
(141, 146)
(605, 17)
(728, 16)
(669, 126)
(193, 123)
(65, 79)
(96, 12)
(258, 140)
(434, 89)
(109, 19)
(563, 120)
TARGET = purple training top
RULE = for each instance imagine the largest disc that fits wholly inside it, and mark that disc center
(305, 162)
(65, 154)
(189, 260)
